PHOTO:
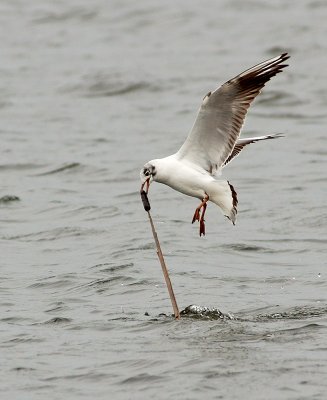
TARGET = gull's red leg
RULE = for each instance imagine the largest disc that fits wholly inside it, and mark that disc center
(196, 216)
(202, 225)
(200, 218)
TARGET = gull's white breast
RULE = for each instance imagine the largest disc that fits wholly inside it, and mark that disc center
(184, 177)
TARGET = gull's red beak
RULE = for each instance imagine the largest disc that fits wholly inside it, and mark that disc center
(146, 184)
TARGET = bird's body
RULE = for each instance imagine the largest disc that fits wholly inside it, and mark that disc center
(194, 181)
(184, 177)
(213, 142)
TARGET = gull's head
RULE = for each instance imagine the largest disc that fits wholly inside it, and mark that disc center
(148, 172)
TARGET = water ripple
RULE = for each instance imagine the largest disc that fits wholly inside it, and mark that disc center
(65, 167)
(8, 198)
(297, 313)
(108, 85)
(57, 321)
(55, 234)
(74, 13)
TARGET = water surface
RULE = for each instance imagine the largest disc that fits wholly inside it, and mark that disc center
(90, 91)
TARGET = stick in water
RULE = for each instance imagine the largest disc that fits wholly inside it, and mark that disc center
(147, 208)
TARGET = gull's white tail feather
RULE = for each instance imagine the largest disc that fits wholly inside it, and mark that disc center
(224, 195)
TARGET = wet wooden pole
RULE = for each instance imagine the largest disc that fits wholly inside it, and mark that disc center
(147, 208)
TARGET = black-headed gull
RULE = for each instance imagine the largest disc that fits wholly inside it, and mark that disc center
(213, 142)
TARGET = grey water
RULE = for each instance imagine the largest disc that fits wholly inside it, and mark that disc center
(90, 91)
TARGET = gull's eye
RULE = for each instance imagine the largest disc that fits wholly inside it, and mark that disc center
(146, 172)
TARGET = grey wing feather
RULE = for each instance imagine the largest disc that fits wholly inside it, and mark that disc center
(241, 143)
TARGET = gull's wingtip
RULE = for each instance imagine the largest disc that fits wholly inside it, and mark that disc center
(283, 57)
(278, 135)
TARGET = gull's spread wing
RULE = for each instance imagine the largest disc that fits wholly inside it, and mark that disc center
(221, 115)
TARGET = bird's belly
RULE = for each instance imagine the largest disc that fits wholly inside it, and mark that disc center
(188, 185)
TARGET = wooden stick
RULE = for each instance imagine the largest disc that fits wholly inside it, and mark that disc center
(147, 208)
(164, 270)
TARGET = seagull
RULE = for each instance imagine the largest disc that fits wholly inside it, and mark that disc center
(213, 142)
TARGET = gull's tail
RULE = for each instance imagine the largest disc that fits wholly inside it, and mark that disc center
(224, 195)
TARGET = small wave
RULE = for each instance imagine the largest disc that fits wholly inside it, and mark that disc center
(14, 320)
(93, 213)
(103, 284)
(290, 334)
(109, 267)
(63, 168)
(299, 312)
(143, 377)
(49, 283)
(24, 369)
(57, 321)
(19, 167)
(58, 306)
(102, 90)
(75, 13)
(241, 247)
(83, 377)
(8, 198)
(146, 246)
(55, 234)
(23, 339)
(105, 85)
